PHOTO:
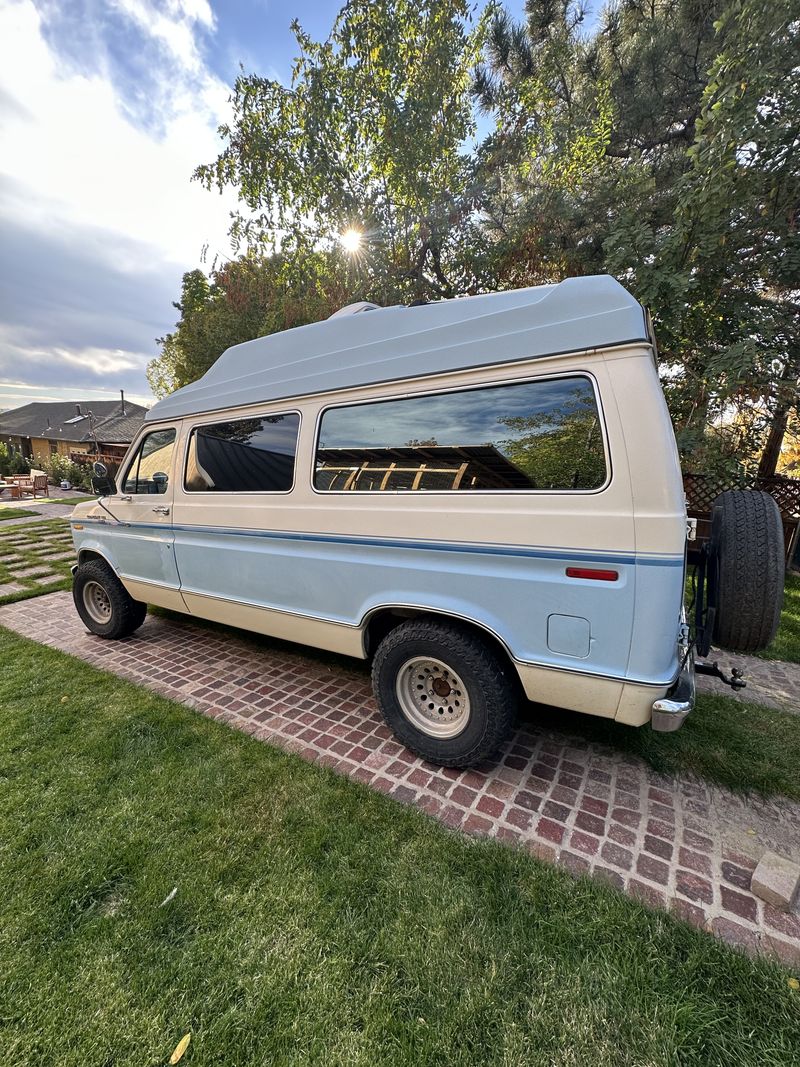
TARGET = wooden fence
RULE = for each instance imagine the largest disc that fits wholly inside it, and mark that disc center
(703, 489)
(86, 459)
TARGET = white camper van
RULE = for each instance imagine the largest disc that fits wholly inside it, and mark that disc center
(482, 496)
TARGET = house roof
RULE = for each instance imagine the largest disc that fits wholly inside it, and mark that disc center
(119, 429)
(59, 421)
(366, 346)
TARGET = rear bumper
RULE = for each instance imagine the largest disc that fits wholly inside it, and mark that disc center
(669, 713)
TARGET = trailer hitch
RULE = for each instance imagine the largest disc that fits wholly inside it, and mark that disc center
(736, 681)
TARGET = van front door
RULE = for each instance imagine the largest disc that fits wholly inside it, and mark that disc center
(142, 541)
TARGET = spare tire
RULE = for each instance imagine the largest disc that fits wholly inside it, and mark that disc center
(748, 552)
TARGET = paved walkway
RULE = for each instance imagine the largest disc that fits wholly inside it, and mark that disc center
(674, 843)
(769, 682)
(49, 507)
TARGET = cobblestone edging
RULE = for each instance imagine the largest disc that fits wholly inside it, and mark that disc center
(674, 843)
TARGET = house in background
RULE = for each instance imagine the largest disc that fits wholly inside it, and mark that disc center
(72, 428)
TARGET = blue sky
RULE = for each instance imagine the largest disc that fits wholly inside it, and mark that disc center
(106, 107)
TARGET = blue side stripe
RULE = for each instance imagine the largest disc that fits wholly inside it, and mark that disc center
(639, 559)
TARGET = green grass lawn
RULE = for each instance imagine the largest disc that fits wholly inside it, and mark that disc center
(15, 513)
(315, 922)
(786, 645)
(34, 545)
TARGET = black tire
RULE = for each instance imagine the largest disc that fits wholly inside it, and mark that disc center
(747, 541)
(487, 682)
(124, 614)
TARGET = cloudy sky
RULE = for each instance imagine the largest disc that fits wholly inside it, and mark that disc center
(106, 107)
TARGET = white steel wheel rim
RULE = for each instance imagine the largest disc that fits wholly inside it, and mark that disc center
(433, 697)
(97, 602)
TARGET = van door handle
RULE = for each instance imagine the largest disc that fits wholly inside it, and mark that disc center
(127, 499)
(162, 509)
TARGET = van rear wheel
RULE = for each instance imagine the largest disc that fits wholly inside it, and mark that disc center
(445, 693)
(103, 603)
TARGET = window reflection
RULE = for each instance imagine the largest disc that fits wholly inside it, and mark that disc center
(243, 456)
(150, 467)
(529, 435)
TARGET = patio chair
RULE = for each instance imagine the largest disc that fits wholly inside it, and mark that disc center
(40, 484)
(21, 487)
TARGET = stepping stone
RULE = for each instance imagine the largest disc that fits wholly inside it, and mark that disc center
(32, 572)
(776, 880)
(10, 587)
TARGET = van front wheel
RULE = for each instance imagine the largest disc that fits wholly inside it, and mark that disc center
(103, 603)
(445, 693)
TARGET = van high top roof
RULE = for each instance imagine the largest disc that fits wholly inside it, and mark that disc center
(368, 346)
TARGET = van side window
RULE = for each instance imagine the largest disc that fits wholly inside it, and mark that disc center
(246, 456)
(149, 470)
(529, 435)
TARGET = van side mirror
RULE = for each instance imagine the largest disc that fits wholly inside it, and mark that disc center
(102, 482)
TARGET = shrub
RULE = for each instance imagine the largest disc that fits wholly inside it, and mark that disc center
(61, 469)
(18, 464)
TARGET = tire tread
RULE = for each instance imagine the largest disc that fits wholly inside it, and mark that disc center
(751, 571)
(127, 614)
(497, 687)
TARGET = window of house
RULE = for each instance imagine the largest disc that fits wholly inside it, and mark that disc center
(544, 435)
(54, 448)
(149, 470)
(243, 456)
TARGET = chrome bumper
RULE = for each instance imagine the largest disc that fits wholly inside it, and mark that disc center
(670, 711)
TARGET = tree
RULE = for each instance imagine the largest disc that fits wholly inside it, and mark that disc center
(371, 134)
(591, 141)
(592, 127)
(659, 148)
(737, 236)
(248, 297)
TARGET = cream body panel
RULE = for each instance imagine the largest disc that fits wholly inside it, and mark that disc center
(575, 692)
(161, 596)
(651, 453)
(636, 703)
(333, 637)
(624, 702)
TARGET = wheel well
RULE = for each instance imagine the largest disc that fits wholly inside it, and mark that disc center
(382, 621)
(86, 554)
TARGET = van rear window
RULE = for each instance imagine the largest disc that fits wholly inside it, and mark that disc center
(245, 456)
(544, 435)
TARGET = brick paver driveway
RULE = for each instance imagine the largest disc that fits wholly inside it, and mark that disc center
(672, 842)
